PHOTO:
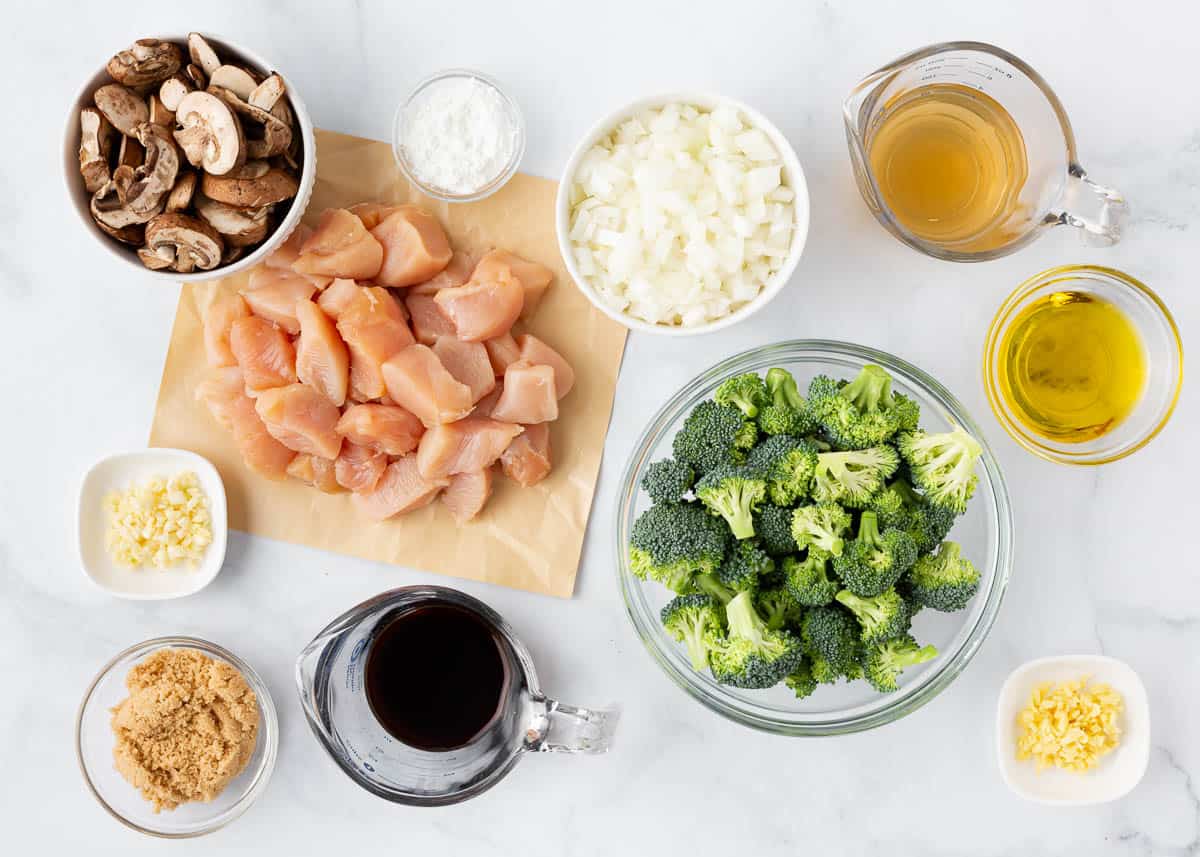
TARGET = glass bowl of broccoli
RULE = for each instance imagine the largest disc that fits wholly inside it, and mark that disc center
(813, 538)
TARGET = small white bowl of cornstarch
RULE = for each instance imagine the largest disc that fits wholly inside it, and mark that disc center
(459, 136)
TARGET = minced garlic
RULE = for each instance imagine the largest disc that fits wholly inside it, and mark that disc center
(161, 523)
(1070, 726)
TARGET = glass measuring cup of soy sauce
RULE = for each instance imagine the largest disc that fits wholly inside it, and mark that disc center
(964, 152)
(424, 696)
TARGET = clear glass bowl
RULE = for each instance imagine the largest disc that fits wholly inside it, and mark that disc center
(496, 183)
(94, 749)
(985, 533)
(1163, 355)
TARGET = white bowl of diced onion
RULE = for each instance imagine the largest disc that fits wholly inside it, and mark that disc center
(682, 214)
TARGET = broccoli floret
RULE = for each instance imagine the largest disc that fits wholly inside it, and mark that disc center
(807, 580)
(945, 581)
(787, 464)
(670, 543)
(746, 392)
(830, 635)
(908, 412)
(883, 662)
(713, 435)
(694, 620)
(734, 493)
(801, 680)
(900, 507)
(860, 413)
(883, 617)
(668, 480)
(743, 566)
(752, 655)
(787, 412)
(942, 465)
(777, 607)
(851, 477)
(773, 526)
(874, 561)
(821, 526)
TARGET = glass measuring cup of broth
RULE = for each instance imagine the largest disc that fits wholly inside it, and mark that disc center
(424, 696)
(963, 152)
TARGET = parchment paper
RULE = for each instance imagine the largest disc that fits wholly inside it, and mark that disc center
(527, 538)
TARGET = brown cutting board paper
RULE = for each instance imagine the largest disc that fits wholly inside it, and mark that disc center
(527, 538)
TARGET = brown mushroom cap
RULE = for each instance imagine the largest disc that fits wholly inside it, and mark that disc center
(239, 227)
(95, 147)
(202, 54)
(274, 185)
(209, 133)
(181, 243)
(145, 63)
(181, 195)
(121, 106)
(266, 134)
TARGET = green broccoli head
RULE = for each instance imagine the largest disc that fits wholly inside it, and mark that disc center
(874, 561)
(744, 565)
(788, 464)
(900, 507)
(852, 477)
(945, 580)
(882, 617)
(942, 465)
(807, 580)
(860, 413)
(752, 655)
(670, 543)
(773, 526)
(746, 392)
(713, 435)
(668, 480)
(801, 680)
(820, 526)
(694, 620)
(734, 493)
(883, 662)
(830, 635)
(777, 607)
(786, 412)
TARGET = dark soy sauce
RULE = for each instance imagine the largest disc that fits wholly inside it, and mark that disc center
(435, 676)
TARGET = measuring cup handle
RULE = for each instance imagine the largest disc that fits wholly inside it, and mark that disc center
(1099, 212)
(561, 728)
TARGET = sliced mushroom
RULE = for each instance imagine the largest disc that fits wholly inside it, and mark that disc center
(153, 180)
(123, 178)
(172, 91)
(95, 148)
(209, 133)
(160, 114)
(234, 78)
(121, 106)
(145, 63)
(239, 227)
(181, 243)
(131, 153)
(266, 135)
(196, 76)
(267, 94)
(275, 185)
(181, 195)
(202, 53)
(283, 113)
(115, 219)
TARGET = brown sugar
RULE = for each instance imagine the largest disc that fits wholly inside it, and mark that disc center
(187, 728)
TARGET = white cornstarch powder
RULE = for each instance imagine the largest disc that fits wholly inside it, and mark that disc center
(458, 135)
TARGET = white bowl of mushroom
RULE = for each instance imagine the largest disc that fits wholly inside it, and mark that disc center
(189, 156)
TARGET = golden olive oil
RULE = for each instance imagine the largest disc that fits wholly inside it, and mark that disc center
(1072, 366)
(950, 164)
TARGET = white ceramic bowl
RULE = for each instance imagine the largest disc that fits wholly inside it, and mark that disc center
(793, 177)
(118, 472)
(80, 198)
(1115, 774)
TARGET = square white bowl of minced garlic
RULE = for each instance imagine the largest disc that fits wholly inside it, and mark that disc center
(1073, 730)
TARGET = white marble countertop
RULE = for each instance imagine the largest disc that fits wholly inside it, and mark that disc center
(1105, 561)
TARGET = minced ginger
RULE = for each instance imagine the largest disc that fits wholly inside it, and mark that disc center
(187, 728)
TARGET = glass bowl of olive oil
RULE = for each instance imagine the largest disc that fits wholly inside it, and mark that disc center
(1083, 364)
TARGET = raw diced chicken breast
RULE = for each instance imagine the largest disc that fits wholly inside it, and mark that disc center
(316, 471)
(418, 381)
(289, 251)
(456, 273)
(386, 428)
(533, 350)
(373, 327)
(467, 494)
(400, 489)
(470, 444)
(370, 213)
(337, 297)
(428, 320)
(529, 395)
(483, 308)
(224, 393)
(263, 353)
(502, 350)
(340, 247)
(414, 246)
(221, 315)
(301, 419)
(272, 294)
(483, 408)
(468, 363)
(359, 468)
(322, 360)
(527, 459)
(534, 278)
